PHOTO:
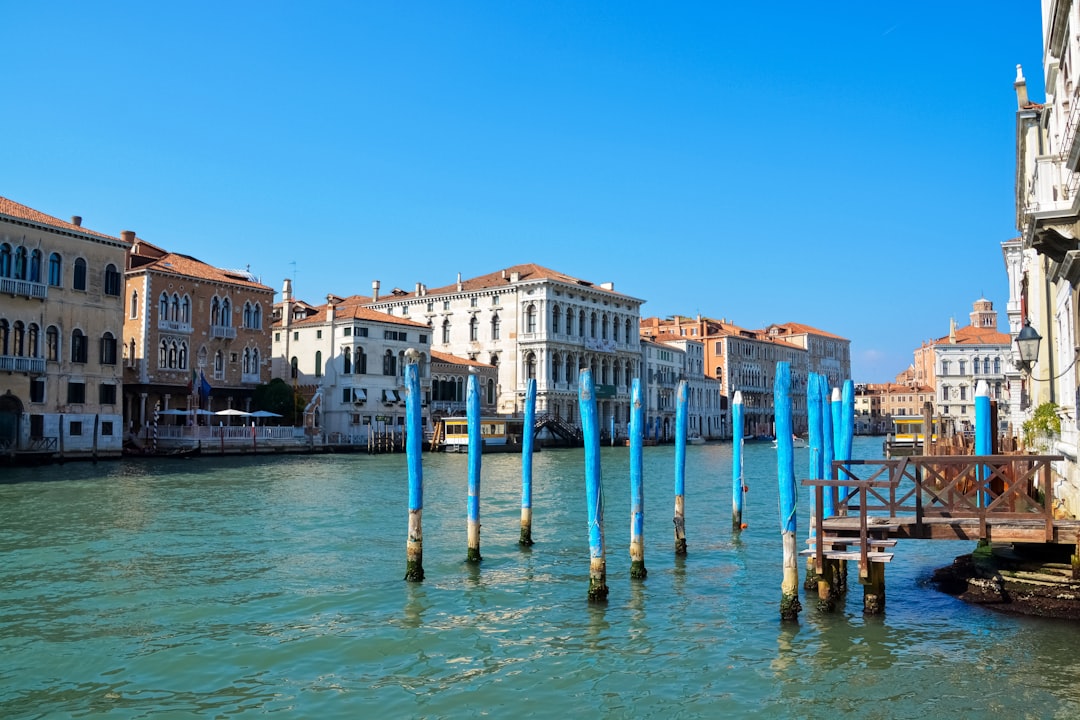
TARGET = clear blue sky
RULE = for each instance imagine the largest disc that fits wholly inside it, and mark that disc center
(846, 165)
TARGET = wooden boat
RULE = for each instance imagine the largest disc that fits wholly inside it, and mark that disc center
(497, 434)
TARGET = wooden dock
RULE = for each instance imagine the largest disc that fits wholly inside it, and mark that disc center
(996, 498)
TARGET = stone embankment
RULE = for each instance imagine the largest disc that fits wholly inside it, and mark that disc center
(1034, 580)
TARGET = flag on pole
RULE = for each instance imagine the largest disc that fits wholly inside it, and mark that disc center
(204, 386)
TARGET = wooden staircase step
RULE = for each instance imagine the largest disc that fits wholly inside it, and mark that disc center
(850, 555)
(844, 540)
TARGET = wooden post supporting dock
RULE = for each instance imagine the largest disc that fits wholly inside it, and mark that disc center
(785, 471)
(414, 547)
(526, 463)
(813, 417)
(681, 403)
(637, 485)
(594, 493)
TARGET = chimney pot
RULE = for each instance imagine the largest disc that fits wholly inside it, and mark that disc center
(1020, 85)
(374, 290)
(76, 220)
(127, 236)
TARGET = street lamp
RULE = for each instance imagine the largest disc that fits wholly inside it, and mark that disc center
(1027, 347)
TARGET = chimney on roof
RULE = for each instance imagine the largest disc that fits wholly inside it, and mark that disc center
(419, 288)
(330, 308)
(374, 290)
(515, 276)
(76, 220)
(1021, 89)
(127, 236)
(286, 304)
(459, 282)
(504, 274)
(608, 286)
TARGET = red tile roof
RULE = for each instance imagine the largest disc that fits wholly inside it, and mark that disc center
(501, 278)
(455, 360)
(971, 335)
(187, 266)
(356, 312)
(801, 329)
(22, 212)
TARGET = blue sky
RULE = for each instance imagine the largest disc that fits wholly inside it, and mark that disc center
(847, 165)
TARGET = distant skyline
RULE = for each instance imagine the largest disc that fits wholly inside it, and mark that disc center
(849, 166)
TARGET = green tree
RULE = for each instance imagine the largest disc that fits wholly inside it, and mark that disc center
(1044, 423)
(277, 396)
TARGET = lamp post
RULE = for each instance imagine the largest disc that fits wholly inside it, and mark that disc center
(1027, 347)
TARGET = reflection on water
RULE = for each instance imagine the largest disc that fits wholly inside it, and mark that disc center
(243, 586)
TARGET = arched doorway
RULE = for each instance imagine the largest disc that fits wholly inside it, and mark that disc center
(11, 409)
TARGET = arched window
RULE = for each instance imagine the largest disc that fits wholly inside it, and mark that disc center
(32, 348)
(616, 375)
(226, 313)
(219, 364)
(389, 363)
(256, 317)
(185, 310)
(247, 361)
(997, 366)
(628, 326)
(55, 270)
(133, 310)
(556, 366)
(581, 323)
(592, 325)
(112, 280)
(131, 351)
(530, 319)
(446, 331)
(108, 349)
(360, 366)
(530, 366)
(78, 346)
(569, 321)
(615, 329)
(52, 344)
(474, 329)
(215, 311)
(5, 339)
(163, 307)
(174, 308)
(490, 392)
(5, 261)
(603, 327)
(35, 266)
(496, 327)
(346, 359)
(255, 362)
(181, 360)
(294, 367)
(247, 314)
(172, 355)
(944, 367)
(78, 279)
(19, 336)
(986, 366)
(555, 318)
(318, 363)
(20, 263)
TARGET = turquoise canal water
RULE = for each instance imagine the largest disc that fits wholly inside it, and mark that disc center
(240, 587)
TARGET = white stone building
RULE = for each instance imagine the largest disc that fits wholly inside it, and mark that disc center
(533, 322)
(705, 416)
(349, 360)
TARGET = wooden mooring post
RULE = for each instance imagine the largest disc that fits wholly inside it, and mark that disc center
(681, 403)
(829, 496)
(637, 485)
(414, 546)
(527, 440)
(738, 483)
(594, 494)
(814, 439)
(785, 472)
(476, 447)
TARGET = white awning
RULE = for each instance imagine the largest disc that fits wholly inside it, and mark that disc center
(358, 395)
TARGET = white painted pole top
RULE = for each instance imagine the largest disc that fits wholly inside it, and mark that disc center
(738, 397)
(836, 396)
(982, 389)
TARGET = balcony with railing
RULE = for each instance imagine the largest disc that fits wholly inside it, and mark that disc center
(14, 363)
(223, 331)
(250, 378)
(176, 326)
(23, 288)
(1053, 188)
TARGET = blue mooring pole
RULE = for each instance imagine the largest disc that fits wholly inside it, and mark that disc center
(681, 403)
(476, 445)
(527, 463)
(594, 489)
(738, 485)
(785, 473)
(829, 505)
(414, 546)
(836, 412)
(814, 439)
(637, 484)
(983, 433)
